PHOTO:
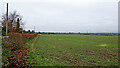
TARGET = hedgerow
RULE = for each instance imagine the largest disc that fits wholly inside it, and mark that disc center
(15, 41)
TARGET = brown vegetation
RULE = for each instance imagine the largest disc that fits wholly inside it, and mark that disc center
(16, 43)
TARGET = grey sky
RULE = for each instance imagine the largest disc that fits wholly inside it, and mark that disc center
(68, 15)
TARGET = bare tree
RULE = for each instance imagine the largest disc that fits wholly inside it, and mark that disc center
(12, 20)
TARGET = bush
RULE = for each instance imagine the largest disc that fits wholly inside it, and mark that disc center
(17, 40)
(14, 42)
(21, 31)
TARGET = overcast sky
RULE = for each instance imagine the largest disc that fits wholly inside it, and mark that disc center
(67, 15)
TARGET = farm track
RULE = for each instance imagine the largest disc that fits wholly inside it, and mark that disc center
(33, 50)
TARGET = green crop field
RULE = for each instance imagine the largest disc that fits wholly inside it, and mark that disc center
(73, 50)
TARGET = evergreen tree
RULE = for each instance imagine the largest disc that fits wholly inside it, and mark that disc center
(18, 25)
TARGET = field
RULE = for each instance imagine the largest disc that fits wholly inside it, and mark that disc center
(73, 50)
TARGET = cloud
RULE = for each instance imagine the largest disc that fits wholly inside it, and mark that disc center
(60, 1)
(68, 15)
(48, 12)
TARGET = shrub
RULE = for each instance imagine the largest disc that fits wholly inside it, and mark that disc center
(17, 40)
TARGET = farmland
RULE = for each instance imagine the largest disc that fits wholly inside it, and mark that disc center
(73, 50)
